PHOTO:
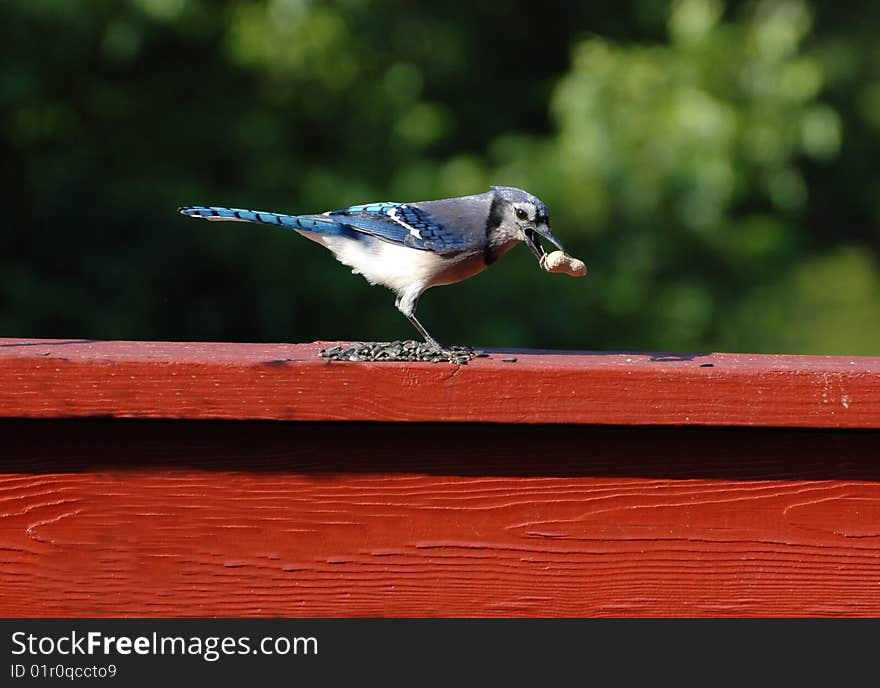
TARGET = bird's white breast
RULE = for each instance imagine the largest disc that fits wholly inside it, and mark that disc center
(398, 267)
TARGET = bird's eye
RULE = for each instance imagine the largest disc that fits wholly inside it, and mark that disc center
(521, 214)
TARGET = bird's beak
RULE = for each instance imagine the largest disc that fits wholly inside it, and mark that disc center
(534, 243)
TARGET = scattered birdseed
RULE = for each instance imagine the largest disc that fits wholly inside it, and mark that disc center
(397, 350)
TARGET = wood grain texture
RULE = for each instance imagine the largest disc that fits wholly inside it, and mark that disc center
(165, 518)
(74, 378)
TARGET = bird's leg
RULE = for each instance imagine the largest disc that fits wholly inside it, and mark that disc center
(406, 303)
(421, 328)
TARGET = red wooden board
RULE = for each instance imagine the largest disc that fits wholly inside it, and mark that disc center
(75, 378)
(161, 518)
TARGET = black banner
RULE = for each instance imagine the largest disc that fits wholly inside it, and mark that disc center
(135, 652)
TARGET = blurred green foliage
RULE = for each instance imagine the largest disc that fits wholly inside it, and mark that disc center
(713, 163)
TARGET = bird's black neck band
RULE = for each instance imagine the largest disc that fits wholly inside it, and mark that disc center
(493, 221)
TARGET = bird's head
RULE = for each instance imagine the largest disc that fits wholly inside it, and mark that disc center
(517, 216)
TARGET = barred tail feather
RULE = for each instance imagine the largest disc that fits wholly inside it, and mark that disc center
(301, 223)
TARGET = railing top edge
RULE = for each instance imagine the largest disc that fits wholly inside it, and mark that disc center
(255, 353)
(50, 378)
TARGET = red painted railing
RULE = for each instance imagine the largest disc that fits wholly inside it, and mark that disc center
(74, 378)
(564, 484)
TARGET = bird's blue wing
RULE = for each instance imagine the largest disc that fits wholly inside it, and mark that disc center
(425, 226)
(404, 224)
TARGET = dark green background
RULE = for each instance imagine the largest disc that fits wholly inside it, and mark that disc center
(715, 164)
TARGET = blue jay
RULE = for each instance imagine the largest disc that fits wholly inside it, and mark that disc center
(410, 247)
